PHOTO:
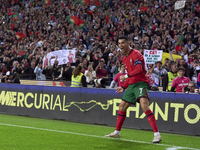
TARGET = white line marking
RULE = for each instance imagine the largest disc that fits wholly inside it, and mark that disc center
(104, 126)
(127, 140)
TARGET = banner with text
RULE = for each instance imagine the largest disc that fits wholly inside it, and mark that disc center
(152, 56)
(174, 112)
(64, 56)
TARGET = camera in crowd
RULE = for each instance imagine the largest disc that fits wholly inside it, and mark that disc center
(99, 83)
(191, 88)
(186, 89)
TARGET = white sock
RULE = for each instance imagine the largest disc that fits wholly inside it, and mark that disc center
(117, 132)
(156, 134)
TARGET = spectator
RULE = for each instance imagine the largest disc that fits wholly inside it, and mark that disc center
(90, 75)
(116, 81)
(38, 71)
(183, 64)
(151, 77)
(100, 71)
(29, 72)
(116, 68)
(78, 79)
(190, 88)
(10, 78)
(47, 72)
(180, 82)
(159, 27)
(169, 77)
(67, 73)
(159, 73)
(56, 69)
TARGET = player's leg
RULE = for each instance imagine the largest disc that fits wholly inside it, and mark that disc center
(120, 119)
(144, 102)
(127, 99)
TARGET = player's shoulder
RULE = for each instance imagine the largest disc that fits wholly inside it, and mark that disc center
(136, 53)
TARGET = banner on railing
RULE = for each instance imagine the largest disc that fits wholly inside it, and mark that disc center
(174, 112)
(63, 57)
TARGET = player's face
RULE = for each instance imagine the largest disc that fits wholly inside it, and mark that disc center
(123, 45)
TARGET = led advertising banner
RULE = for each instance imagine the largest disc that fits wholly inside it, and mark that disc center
(174, 112)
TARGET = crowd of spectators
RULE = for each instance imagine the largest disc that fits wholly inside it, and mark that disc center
(149, 24)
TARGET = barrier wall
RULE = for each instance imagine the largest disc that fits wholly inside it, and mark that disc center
(178, 113)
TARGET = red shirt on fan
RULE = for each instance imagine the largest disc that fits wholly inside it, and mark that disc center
(117, 79)
(134, 62)
(180, 83)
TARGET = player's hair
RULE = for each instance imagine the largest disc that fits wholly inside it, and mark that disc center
(77, 71)
(123, 37)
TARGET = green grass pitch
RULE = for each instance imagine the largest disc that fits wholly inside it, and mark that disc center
(26, 133)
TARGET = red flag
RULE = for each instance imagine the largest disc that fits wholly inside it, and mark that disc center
(30, 33)
(36, 34)
(20, 35)
(75, 20)
(144, 9)
(96, 3)
(47, 2)
(196, 8)
(15, 17)
(107, 20)
(9, 12)
(12, 26)
(180, 43)
(62, 4)
(21, 53)
(31, 4)
(89, 12)
(84, 2)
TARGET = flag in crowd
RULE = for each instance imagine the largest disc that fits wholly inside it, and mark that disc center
(15, 17)
(144, 9)
(20, 35)
(12, 27)
(179, 5)
(75, 20)
(179, 44)
(47, 2)
(107, 20)
(84, 2)
(9, 12)
(96, 3)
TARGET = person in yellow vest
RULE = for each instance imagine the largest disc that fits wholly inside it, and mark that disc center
(169, 77)
(78, 78)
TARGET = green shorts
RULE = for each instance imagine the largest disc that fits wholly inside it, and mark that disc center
(136, 91)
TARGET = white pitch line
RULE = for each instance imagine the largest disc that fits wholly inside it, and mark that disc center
(127, 140)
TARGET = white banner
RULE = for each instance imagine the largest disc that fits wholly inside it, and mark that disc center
(179, 5)
(152, 56)
(64, 56)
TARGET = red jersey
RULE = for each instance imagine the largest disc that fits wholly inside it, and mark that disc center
(180, 83)
(134, 64)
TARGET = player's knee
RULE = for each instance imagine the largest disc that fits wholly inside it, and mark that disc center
(144, 104)
(122, 108)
